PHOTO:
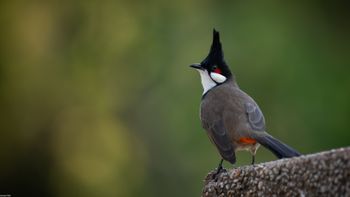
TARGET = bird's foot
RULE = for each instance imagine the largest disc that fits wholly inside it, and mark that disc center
(219, 170)
(253, 159)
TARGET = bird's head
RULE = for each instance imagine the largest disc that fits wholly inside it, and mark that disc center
(213, 69)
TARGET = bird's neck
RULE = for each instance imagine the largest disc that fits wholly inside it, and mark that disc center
(209, 84)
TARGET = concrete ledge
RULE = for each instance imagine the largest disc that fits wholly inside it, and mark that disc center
(322, 174)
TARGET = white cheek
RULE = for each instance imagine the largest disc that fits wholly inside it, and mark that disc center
(207, 82)
(217, 77)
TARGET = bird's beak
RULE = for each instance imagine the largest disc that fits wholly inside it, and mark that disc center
(197, 66)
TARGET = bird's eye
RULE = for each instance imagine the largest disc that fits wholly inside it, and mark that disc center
(216, 69)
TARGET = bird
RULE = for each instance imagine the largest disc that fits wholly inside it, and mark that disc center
(231, 118)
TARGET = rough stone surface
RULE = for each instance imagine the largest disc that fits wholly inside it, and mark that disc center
(321, 174)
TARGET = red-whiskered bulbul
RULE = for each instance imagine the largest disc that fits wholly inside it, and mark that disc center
(232, 119)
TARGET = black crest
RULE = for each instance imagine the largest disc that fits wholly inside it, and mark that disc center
(216, 56)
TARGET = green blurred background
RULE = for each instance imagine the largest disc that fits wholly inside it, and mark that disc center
(97, 98)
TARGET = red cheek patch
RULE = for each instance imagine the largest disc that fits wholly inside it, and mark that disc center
(217, 70)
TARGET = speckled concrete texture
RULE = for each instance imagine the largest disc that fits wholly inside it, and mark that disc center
(321, 174)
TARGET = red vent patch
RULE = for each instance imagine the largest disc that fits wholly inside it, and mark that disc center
(247, 140)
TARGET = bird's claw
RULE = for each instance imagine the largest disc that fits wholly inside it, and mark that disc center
(218, 172)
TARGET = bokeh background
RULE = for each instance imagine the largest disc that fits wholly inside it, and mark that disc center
(97, 98)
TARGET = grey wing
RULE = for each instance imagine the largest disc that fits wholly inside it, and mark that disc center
(218, 135)
(255, 116)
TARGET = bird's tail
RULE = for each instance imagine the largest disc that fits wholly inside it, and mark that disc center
(278, 148)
